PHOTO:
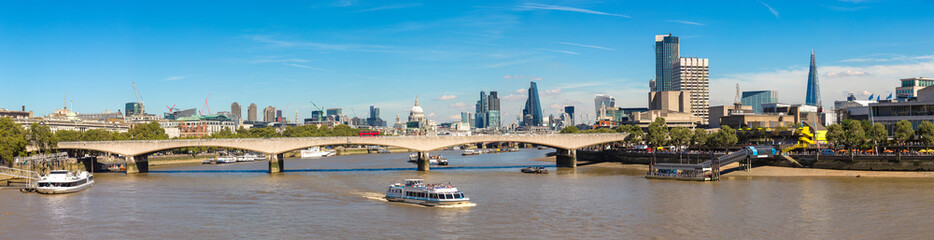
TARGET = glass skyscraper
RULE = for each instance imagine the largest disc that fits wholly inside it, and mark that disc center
(813, 94)
(487, 115)
(532, 113)
(757, 98)
(667, 58)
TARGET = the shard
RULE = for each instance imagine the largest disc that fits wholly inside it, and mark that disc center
(813, 94)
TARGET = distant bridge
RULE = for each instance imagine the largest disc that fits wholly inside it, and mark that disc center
(136, 152)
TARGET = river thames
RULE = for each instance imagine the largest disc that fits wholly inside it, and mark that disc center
(240, 201)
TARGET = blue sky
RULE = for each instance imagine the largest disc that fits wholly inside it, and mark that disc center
(353, 54)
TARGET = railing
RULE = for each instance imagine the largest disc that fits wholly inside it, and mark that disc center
(30, 176)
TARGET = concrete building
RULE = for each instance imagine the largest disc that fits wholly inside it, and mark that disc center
(674, 101)
(694, 77)
(180, 114)
(269, 114)
(105, 116)
(56, 124)
(251, 112)
(916, 110)
(717, 112)
(672, 118)
(755, 99)
(235, 110)
(200, 126)
(910, 87)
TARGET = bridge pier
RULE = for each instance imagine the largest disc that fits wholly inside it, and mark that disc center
(137, 164)
(276, 162)
(422, 161)
(566, 158)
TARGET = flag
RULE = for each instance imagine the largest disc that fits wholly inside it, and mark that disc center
(870, 96)
(890, 97)
(878, 98)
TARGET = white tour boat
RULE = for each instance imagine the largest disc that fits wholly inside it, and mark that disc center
(63, 181)
(222, 160)
(316, 152)
(417, 192)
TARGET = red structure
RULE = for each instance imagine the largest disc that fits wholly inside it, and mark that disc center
(369, 133)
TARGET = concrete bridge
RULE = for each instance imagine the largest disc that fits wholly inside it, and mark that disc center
(137, 152)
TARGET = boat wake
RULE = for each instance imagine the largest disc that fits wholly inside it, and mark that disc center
(374, 196)
(463, 205)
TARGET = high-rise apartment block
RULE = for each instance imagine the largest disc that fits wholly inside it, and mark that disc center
(251, 112)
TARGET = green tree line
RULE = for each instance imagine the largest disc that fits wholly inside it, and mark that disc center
(658, 134)
(857, 135)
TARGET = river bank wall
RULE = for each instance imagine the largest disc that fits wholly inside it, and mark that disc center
(837, 162)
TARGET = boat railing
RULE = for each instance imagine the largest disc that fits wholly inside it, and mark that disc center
(31, 176)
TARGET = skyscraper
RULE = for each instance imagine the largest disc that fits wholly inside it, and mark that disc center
(603, 100)
(251, 112)
(487, 115)
(374, 120)
(694, 77)
(235, 110)
(569, 110)
(813, 93)
(269, 114)
(674, 73)
(667, 58)
(532, 113)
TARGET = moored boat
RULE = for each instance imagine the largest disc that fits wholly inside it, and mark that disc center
(534, 170)
(63, 181)
(221, 160)
(316, 152)
(469, 152)
(416, 191)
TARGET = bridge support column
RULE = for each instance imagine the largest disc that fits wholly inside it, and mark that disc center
(276, 162)
(566, 158)
(137, 164)
(423, 161)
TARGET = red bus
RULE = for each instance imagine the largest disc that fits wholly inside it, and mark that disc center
(369, 133)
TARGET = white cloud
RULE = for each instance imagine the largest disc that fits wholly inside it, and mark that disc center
(770, 9)
(686, 22)
(847, 73)
(586, 46)
(455, 117)
(175, 78)
(303, 66)
(447, 97)
(559, 51)
(552, 92)
(538, 6)
(513, 97)
(522, 90)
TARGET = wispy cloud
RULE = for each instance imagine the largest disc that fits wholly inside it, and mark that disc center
(847, 73)
(513, 62)
(550, 92)
(303, 66)
(770, 9)
(686, 22)
(277, 60)
(846, 9)
(175, 78)
(585, 45)
(559, 51)
(447, 97)
(390, 7)
(538, 6)
(314, 45)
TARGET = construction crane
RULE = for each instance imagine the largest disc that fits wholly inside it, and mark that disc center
(142, 103)
(319, 109)
(171, 109)
(205, 108)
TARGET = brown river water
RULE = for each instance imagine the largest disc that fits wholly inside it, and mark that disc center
(241, 201)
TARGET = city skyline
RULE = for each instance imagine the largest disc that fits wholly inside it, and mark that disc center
(444, 52)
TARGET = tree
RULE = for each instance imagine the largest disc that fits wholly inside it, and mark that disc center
(878, 135)
(97, 135)
(680, 136)
(12, 141)
(636, 135)
(728, 135)
(658, 133)
(926, 132)
(41, 137)
(835, 134)
(570, 129)
(699, 138)
(67, 135)
(224, 133)
(854, 135)
(903, 132)
(148, 131)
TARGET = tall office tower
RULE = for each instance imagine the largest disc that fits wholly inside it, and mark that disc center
(251, 112)
(532, 113)
(269, 114)
(603, 100)
(235, 110)
(757, 98)
(667, 58)
(488, 112)
(481, 108)
(317, 115)
(813, 93)
(570, 111)
(465, 117)
(694, 77)
(374, 120)
(279, 116)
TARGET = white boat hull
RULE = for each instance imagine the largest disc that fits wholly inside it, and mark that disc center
(62, 190)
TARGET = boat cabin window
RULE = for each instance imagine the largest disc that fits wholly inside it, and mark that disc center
(433, 195)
